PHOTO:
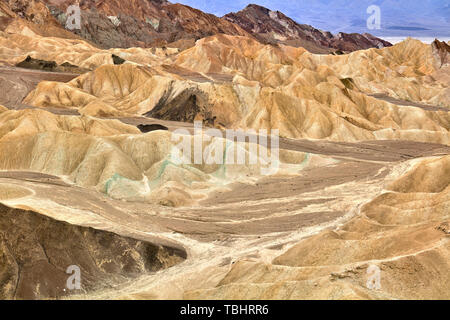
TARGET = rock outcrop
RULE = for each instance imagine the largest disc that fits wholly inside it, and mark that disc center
(441, 50)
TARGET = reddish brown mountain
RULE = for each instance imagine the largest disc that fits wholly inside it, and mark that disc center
(275, 27)
(148, 23)
(144, 23)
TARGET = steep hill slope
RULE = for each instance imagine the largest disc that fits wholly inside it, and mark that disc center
(236, 82)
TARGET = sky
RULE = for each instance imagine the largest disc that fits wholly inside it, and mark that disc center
(399, 18)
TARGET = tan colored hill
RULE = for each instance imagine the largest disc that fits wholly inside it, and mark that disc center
(300, 234)
(115, 158)
(16, 46)
(31, 17)
(397, 71)
(15, 124)
(310, 231)
(403, 232)
(364, 179)
(237, 82)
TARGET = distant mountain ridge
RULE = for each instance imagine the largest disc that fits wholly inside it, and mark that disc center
(350, 16)
(276, 27)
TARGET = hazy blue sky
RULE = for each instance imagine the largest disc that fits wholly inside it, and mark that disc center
(398, 17)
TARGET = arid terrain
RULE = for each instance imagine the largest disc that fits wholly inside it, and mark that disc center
(89, 122)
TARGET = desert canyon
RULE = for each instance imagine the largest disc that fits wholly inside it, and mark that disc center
(87, 175)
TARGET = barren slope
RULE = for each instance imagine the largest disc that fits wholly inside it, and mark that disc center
(404, 232)
(363, 179)
(236, 82)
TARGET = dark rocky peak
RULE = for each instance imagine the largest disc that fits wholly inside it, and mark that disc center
(275, 27)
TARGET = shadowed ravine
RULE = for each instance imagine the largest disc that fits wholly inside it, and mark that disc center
(37, 250)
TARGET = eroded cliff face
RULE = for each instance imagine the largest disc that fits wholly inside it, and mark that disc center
(36, 252)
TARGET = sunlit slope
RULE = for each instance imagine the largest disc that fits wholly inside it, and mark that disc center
(308, 107)
(404, 232)
(16, 45)
(30, 121)
(118, 160)
(236, 82)
(404, 71)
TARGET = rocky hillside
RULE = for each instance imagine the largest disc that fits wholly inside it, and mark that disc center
(31, 17)
(275, 27)
(142, 23)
